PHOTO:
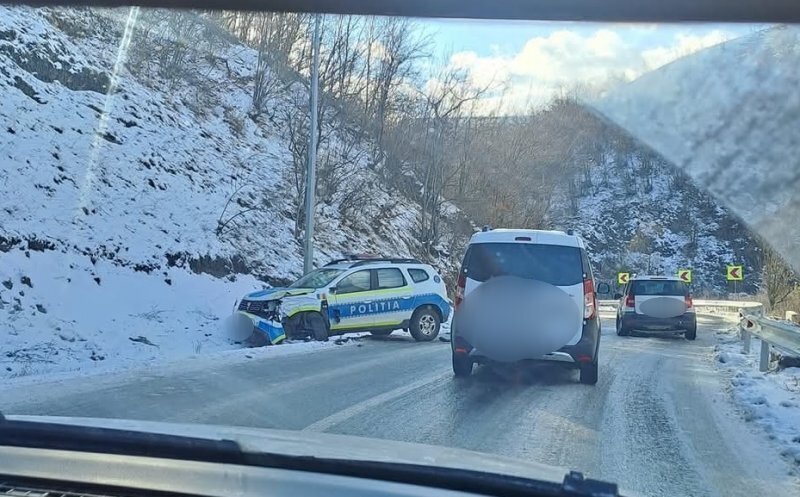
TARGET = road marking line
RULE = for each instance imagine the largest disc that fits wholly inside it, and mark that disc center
(372, 402)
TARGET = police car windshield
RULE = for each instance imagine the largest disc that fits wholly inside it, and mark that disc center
(658, 287)
(317, 278)
(554, 264)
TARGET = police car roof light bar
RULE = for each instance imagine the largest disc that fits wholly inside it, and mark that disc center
(391, 260)
(360, 261)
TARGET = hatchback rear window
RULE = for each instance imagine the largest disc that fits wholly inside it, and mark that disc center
(658, 287)
(555, 264)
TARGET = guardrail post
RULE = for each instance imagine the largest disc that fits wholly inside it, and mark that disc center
(763, 363)
(746, 339)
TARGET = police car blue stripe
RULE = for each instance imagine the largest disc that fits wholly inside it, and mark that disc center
(390, 305)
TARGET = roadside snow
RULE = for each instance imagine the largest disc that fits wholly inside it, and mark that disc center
(65, 314)
(770, 400)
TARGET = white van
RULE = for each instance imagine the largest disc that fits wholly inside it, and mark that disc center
(554, 258)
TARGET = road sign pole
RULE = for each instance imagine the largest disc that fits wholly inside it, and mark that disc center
(311, 182)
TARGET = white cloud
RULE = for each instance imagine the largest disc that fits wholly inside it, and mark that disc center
(685, 45)
(567, 59)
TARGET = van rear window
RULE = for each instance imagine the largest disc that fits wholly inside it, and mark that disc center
(659, 287)
(555, 264)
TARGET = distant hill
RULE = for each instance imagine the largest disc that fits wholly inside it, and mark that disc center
(729, 117)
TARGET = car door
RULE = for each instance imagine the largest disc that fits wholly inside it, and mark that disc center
(394, 297)
(347, 304)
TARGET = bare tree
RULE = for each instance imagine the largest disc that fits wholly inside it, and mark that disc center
(778, 278)
(296, 121)
(275, 36)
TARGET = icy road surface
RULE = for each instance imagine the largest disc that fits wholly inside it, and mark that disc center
(659, 421)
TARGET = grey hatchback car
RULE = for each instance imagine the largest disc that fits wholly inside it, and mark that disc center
(656, 305)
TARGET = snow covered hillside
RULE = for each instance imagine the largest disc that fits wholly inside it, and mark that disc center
(639, 214)
(136, 209)
(728, 117)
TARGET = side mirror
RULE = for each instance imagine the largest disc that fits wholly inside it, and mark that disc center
(332, 290)
(603, 288)
(617, 296)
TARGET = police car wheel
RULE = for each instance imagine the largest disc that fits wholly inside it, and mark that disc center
(425, 324)
(317, 325)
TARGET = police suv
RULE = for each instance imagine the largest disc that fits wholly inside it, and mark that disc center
(353, 294)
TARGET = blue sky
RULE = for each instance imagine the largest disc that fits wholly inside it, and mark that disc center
(527, 62)
(483, 37)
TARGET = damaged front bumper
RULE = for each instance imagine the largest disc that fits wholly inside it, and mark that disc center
(264, 331)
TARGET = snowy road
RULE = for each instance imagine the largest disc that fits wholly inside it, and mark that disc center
(658, 422)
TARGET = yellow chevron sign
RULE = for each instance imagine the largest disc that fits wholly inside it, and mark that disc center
(735, 273)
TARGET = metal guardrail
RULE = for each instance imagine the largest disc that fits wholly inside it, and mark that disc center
(702, 306)
(752, 322)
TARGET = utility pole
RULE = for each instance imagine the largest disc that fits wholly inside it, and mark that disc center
(308, 262)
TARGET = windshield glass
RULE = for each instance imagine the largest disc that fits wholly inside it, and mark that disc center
(655, 287)
(553, 264)
(317, 279)
(165, 174)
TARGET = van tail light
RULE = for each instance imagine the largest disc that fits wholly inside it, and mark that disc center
(460, 285)
(630, 302)
(589, 299)
(689, 303)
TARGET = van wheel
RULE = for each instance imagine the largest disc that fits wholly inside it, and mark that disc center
(691, 334)
(462, 365)
(589, 373)
(425, 323)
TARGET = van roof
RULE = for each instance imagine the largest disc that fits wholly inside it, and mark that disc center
(541, 237)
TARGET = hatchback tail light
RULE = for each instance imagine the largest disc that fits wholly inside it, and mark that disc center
(630, 302)
(589, 299)
(689, 302)
(460, 285)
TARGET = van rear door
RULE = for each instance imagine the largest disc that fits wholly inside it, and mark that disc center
(558, 265)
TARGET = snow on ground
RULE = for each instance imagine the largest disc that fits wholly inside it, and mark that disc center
(770, 400)
(64, 313)
(68, 315)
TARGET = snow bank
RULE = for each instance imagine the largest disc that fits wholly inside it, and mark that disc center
(770, 400)
(65, 314)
